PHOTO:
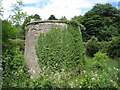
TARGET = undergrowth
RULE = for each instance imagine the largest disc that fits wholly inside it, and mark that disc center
(62, 66)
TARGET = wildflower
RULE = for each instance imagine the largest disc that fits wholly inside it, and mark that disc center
(71, 85)
(109, 69)
(76, 80)
(80, 86)
(111, 80)
(33, 71)
(93, 78)
(95, 74)
(84, 71)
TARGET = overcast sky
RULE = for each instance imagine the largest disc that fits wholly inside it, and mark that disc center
(59, 8)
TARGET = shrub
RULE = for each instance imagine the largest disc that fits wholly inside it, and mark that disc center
(104, 45)
(92, 46)
(114, 48)
(41, 82)
(75, 23)
(14, 71)
(17, 43)
(99, 59)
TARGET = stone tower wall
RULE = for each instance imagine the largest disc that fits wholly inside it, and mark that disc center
(32, 34)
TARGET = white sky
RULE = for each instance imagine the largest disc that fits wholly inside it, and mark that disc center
(59, 8)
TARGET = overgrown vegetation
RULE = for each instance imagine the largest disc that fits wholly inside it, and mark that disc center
(69, 58)
(60, 49)
(81, 72)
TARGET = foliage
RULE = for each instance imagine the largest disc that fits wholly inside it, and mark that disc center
(105, 10)
(92, 46)
(8, 31)
(52, 17)
(99, 59)
(22, 32)
(14, 70)
(91, 22)
(106, 33)
(101, 72)
(17, 42)
(36, 17)
(75, 23)
(101, 21)
(90, 77)
(114, 48)
(111, 48)
(9, 37)
(16, 23)
(61, 52)
(19, 15)
(78, 18)
(41, 82)
(61, 48)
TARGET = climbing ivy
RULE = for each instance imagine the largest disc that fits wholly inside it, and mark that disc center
(61, 48)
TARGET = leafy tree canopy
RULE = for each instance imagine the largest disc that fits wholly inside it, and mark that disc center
(101, 20)
(52, 17)
(19, 15)
(105, 10)
(36, 17)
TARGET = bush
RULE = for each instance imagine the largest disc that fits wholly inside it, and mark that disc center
(14, 71)
(61, 48)
(75, 23)
(41, 82)
(99, 59)
(92, 46)
(114, 48)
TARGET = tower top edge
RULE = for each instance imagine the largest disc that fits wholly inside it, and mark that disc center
(46, 21)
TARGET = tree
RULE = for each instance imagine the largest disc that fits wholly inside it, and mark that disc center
(19, 15)
(92, 46)
(8, 32)
(78, 18)
(105, 10)
(63, 18)
(19, 19)
(22, 32)
(102, 22)
(52, 17)
(91, 21)
(36, 17)
(114, 47)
